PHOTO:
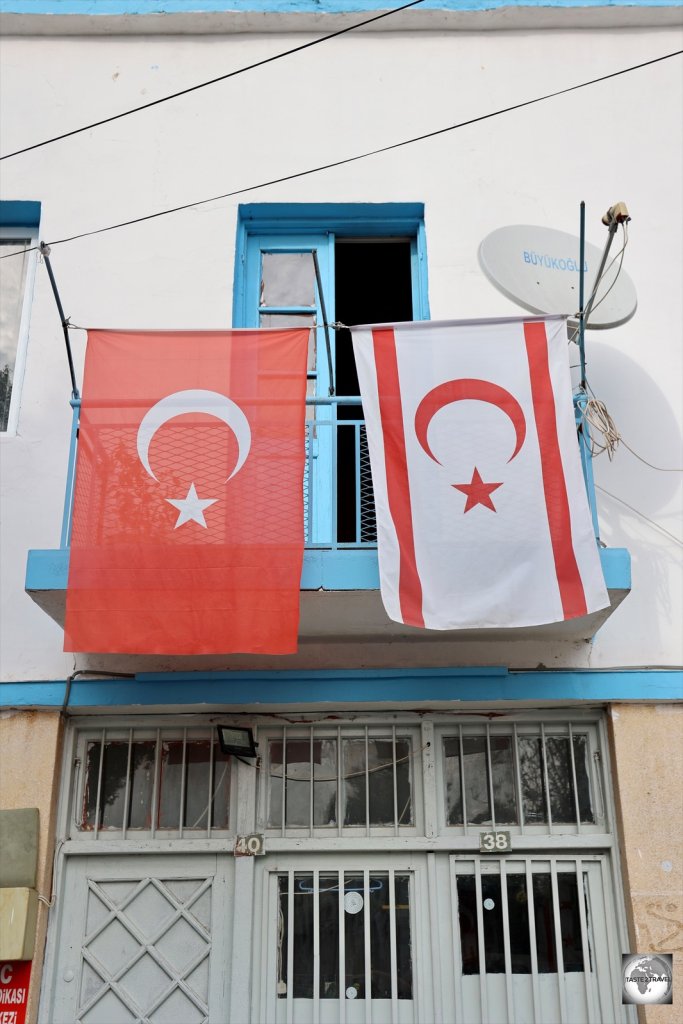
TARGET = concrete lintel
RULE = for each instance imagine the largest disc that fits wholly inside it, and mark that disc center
(473, 16)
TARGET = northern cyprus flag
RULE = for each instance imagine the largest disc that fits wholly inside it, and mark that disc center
(482, 514)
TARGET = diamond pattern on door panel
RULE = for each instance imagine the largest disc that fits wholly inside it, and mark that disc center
(145, 954)
(177, 1009)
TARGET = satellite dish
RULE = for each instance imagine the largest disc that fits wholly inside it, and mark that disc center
(538, 268)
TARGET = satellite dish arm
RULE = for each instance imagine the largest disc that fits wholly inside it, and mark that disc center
(616, 215)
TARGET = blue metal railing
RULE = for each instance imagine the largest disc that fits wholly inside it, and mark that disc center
(336, 518)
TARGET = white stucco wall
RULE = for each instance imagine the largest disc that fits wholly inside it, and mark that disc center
(618, 140)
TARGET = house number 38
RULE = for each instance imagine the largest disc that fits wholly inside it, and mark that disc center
(494, 842)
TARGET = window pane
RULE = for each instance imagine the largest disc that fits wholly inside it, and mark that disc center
(197, 774)
(113, 786)
(492, 913)
(492, 921)
(282, 936)
(467, 917)
(583, 778)
(570, 921)
(196, 794)
(303, 936)
(545, 924)
(298, 783)
(476, 780)
(502, 767)
(451, 751)
(562, 806)
(404, 954)
(287, 279)
(141, 784)
(220, 811)
(12, 283)
(381, 782)
(325, 783)
(380, 936)
(533, 782)
(92, 761)
(354, 781)
(329, 936)
(170, 782)
(197, 763)
(518, 915)
(404, 804)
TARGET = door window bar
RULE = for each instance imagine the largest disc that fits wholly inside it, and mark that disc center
(366, 955)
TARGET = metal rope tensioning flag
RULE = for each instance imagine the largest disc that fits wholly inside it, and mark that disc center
(482, 514)
(188, 512)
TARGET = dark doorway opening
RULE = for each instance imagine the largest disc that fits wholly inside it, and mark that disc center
(372, 285)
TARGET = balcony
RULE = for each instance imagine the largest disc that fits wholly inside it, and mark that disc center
(340, 597)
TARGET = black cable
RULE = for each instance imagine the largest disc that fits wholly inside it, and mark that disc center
(212, 81)
(358, 156)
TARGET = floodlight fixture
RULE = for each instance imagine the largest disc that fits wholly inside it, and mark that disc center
(234, 740)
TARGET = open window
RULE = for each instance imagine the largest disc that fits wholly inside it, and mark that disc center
(372, 270)
(18, 232)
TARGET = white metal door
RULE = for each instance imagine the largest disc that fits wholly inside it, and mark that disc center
(339, 942)
(534, 941)
(142, 938)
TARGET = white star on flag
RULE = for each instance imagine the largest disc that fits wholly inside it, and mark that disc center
(191, 508)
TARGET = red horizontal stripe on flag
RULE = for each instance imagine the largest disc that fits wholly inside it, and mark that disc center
(554, 485)
(398, 484)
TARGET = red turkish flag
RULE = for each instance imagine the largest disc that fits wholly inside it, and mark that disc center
(188, 511)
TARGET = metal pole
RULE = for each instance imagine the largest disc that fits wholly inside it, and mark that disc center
(45, 252)
(611, 232)
(318, 279)
(582, 258)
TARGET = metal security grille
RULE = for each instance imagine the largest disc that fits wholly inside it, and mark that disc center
(536, 777)
(344, 938)
(525, 940)
(171, 782)
(349, 780)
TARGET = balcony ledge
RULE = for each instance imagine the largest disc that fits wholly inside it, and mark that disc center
(340, 599)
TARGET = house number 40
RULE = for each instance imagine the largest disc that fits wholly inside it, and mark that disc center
(494, 842)
(249, 846)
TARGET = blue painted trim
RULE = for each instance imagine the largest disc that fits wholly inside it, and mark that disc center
(393, 687)
(345, 569)
(348, 219)
(19, 213)
(133, 7)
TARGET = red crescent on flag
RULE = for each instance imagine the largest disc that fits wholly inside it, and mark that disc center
(473, 390)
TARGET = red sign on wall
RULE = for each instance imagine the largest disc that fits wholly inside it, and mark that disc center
(14, 978)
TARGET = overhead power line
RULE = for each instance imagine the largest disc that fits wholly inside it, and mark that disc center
(354, 159)
(212, 81)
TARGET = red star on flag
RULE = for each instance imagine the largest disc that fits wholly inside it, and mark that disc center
(478, 493)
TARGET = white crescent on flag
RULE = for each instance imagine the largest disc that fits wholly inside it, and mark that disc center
(482, 513)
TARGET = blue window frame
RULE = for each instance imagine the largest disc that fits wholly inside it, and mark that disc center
(373, 267)
(18, 231)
